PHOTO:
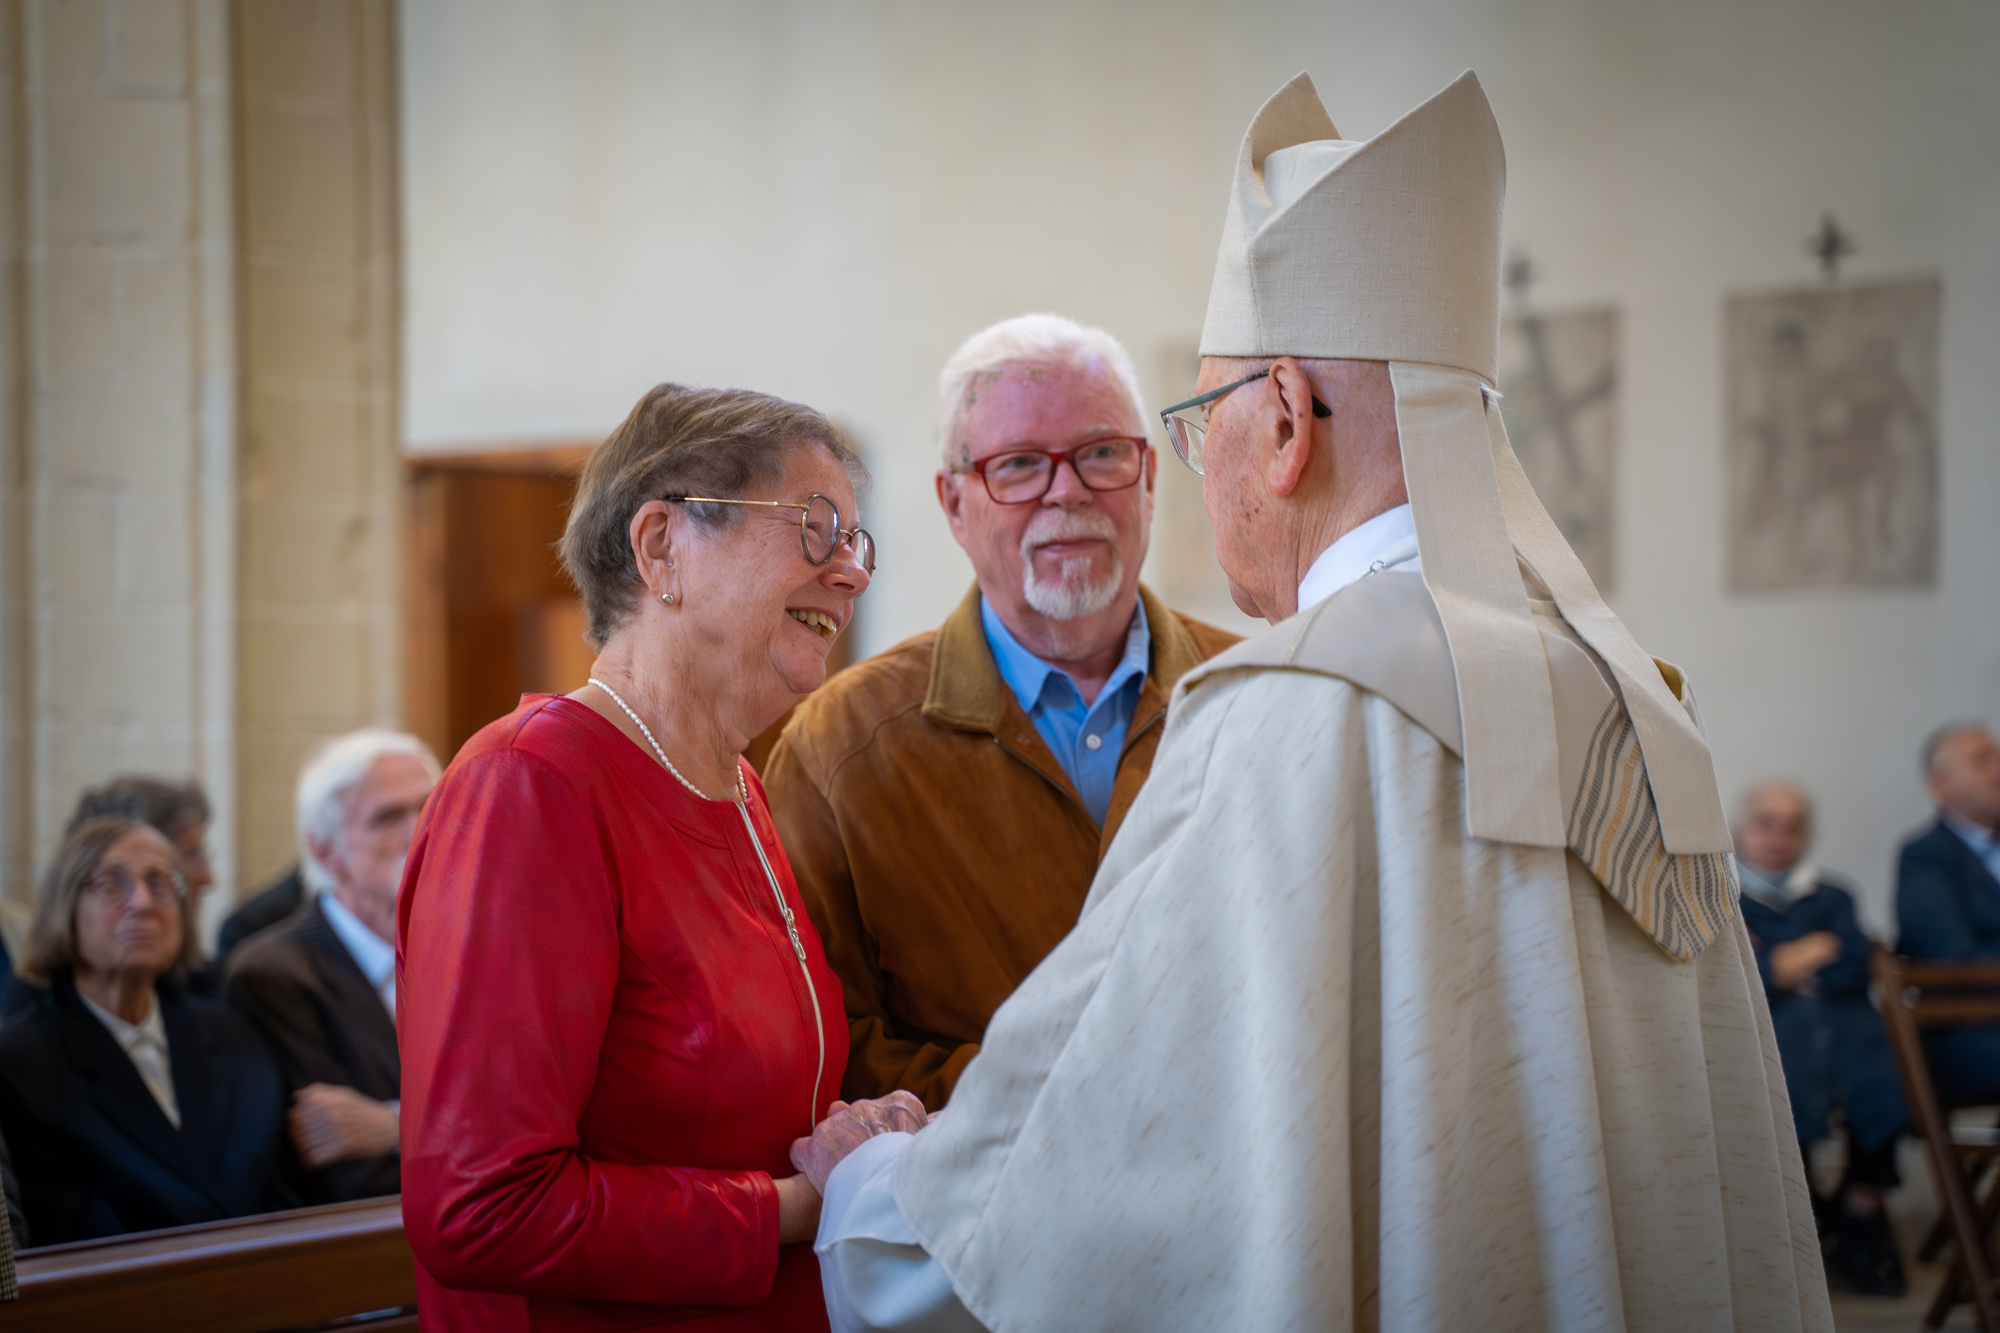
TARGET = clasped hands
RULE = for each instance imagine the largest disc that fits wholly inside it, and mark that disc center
(848, 1125)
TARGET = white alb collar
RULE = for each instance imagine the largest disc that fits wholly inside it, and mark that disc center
(1386, 541)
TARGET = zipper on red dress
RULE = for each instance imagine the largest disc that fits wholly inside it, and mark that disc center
(799, 948)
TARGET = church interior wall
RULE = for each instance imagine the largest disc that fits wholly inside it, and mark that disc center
(823, 201)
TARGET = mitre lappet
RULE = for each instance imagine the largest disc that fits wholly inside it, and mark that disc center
(1388, 249)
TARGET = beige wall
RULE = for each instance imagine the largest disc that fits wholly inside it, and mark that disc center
(320, 537)
(199, 483)
(822, 200)
(119, 436)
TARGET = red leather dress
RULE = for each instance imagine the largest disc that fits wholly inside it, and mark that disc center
(609, 1042)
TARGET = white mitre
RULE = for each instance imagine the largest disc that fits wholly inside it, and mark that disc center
(1389, 250)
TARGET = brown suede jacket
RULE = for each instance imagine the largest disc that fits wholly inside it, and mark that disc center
(941, 849)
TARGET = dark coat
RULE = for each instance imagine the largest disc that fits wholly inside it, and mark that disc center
(325, 1023)
(270, 906)
(1948, 906)
(97, 1156)
(1831, 1039)
(1947, 903)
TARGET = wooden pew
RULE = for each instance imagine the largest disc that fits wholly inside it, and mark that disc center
(292, 1270)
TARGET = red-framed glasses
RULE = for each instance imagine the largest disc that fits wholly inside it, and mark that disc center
(1022, 476)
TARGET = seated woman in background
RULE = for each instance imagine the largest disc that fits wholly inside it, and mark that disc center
(615, 1017)
(180, 811)
(129, 1104)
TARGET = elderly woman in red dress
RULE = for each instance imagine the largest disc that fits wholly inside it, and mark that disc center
(615, 1018)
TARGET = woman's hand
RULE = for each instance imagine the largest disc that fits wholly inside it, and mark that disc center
(798, 1209)
(847, 1127)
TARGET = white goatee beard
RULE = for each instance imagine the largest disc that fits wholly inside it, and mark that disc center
(1072, 594)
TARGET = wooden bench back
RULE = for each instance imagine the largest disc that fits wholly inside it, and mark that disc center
(289, 1270)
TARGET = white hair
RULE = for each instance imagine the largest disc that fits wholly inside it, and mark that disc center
(1024, 338)
(329, 776)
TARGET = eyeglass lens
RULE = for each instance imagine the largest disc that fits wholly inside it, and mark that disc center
(118, 886)
(821, 528)
(1186, 436)
(1107, 465)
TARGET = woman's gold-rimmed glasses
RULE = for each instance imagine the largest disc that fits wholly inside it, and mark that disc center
(820, 533)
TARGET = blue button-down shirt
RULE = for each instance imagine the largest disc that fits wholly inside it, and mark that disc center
(1086, 739)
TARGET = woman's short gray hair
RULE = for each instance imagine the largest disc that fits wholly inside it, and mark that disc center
(319, 805)
(681, 441)
(1024, 338)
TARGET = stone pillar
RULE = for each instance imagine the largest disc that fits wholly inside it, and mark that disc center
(321, 475)
(199, 474)
(118, 439)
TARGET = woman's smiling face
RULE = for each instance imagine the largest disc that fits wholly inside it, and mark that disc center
(750, 594)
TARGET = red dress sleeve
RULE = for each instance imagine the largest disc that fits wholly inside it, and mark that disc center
(507, 962)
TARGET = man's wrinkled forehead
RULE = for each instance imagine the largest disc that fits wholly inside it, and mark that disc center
(1035, 400)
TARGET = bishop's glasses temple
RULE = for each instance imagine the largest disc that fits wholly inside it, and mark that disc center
(1186, 431)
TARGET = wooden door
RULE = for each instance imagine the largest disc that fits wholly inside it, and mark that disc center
(491, 615)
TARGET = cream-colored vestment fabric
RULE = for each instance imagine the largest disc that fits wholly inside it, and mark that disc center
(1313, 1058)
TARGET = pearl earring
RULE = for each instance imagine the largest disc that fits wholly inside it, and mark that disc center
(667, 597)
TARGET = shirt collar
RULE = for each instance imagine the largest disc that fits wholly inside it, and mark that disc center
(1385, 541)
(375, 956)
(1777, 889)
(1027, 675)
(148, 1031)
(1983, 840)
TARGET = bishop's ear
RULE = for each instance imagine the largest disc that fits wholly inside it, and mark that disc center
(1293, 392)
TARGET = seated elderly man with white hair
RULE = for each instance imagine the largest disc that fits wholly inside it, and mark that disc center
(1814, 959)
(321, 983)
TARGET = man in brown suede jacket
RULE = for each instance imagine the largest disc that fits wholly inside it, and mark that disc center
(945, 803)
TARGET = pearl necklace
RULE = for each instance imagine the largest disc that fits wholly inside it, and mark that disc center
(647, 732)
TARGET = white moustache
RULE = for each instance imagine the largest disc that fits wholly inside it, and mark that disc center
(1060, 525)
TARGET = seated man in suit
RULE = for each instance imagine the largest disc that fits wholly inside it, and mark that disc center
(321, 983)
(1814, 959)
(1948, 893)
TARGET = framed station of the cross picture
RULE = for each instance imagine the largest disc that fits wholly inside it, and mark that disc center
(1833, 436)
